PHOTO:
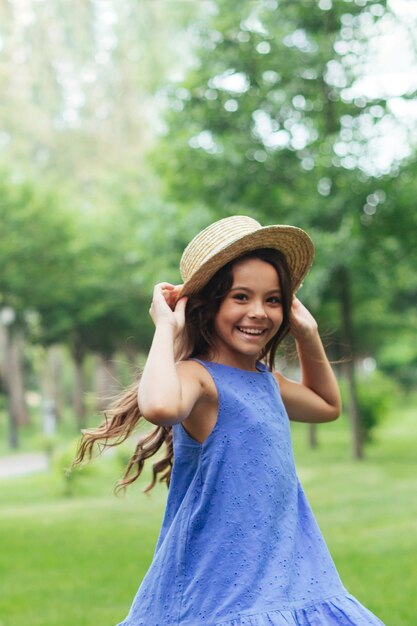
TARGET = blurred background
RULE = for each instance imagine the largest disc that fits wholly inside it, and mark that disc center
(125, 128)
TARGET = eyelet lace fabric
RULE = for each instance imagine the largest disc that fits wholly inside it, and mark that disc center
(239, 544)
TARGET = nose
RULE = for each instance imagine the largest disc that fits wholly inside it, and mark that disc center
(257, 310)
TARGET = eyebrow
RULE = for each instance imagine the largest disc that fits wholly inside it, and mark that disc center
(238, 288)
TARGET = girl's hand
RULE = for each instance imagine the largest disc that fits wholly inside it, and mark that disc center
(302, 323)
(166, 308)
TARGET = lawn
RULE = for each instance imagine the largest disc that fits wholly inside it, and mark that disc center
(67, 561)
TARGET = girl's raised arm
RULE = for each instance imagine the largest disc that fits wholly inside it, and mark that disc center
(167, 392)
(317, 397)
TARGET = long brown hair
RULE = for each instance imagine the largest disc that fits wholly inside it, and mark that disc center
(199, 339)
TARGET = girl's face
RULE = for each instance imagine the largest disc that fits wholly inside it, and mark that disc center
(250, 315)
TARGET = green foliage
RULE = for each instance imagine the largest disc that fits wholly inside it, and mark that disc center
(377, 395)
(35, 240)
(80, 259)
(46, 443)
(270, 111)
(267, 123)
(263, 106)
(72, 278)
(123, 456)
(399, 357)
(72, 479)
(253, 127)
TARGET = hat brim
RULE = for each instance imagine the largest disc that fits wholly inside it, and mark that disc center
(293, 242)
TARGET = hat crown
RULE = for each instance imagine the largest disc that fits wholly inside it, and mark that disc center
(231, 237)
(213, 240)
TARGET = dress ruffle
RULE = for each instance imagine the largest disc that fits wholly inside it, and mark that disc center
(341, 610)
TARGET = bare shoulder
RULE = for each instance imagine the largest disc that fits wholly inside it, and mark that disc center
(302, 403)
(192, 370)
(281, 380)
(289, 389)
(202, 418)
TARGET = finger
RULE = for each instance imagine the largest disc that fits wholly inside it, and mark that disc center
(176, 292)
(161, 288)
(295, 303)
(181, 304)
(161, 298)
(168, 294)
(170, 300)
(158, 295)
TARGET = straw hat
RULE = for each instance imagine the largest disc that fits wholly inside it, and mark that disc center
(231, 237)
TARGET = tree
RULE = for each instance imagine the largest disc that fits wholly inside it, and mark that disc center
(77, 113)
(269, 122)
(34, 238)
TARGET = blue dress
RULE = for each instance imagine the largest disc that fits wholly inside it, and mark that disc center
(239, 544)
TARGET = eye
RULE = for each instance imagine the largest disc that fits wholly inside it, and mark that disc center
(274, 300)
(240, 296)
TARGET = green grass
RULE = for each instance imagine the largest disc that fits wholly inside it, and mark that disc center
(79, 560)
(367, 511)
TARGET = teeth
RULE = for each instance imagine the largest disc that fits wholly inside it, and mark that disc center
(250, 331)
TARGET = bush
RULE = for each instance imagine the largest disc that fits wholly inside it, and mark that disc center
(46, 443)
(376, 394)
(62, 460)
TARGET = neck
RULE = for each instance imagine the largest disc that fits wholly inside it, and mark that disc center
(240, 361)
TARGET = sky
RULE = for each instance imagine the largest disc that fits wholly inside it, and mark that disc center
(391, 72)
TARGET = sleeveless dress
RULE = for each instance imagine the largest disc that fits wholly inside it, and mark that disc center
(239, 544)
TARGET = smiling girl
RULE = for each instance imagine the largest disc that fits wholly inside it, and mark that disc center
(239, 544)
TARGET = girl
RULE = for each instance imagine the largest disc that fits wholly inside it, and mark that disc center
(239, 545)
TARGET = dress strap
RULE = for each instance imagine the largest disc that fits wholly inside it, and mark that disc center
(193, 358)
(212, 368)
(260, 367)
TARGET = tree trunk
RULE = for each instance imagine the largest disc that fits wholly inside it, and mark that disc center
(15, 378)
(132, 356)
(55, 360)
(11, 373)
(51, 379)
(78, 396)
(13, 434)
(4, 344)
(353, 410)
(348, 342)
(50, 384)
(106, 386)
(312, 436)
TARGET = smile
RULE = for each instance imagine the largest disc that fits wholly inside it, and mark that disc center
(251, 331)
